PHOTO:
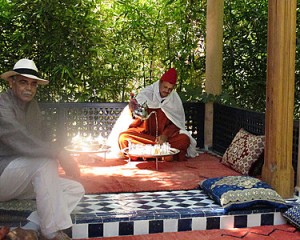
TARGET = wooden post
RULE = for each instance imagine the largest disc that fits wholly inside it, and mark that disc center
(297, 188)
(277, 169)
(214, 61)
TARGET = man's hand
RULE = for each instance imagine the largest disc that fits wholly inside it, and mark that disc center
(133, 104)
(69, 165)
(161, 139)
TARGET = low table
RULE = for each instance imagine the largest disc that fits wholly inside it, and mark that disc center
(172, 151)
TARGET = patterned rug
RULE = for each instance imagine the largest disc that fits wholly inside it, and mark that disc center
(15, 211)
(18, 205)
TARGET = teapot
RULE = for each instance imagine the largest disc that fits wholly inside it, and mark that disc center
(141, 111)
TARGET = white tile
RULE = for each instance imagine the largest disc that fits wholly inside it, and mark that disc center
(199, 223)
(110, 229)
(254, 220)
(172, 204)
(170, 225)
(226, 222)
(141, 227)
(279, 219)
(80, 231)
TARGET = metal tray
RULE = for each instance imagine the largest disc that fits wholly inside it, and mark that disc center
(171, 152)
(71, 148)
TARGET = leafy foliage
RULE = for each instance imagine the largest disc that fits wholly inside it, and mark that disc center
(245, 47)
(101, 50)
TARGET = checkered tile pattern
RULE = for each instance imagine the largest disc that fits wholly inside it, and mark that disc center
(134, 202)
(123, 214)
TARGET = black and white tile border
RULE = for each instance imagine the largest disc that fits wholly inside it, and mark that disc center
(124, 214)
(109, 229)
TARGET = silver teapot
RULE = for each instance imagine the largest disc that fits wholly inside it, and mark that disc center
(141, 111)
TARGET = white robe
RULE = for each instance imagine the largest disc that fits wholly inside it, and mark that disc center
(171, 106)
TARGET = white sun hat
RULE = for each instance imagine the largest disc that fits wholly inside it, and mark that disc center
(26, 68)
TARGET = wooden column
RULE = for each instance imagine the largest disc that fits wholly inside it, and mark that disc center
(214, 61)
(277, 170)
(297, 188)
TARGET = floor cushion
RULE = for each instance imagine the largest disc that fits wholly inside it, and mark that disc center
(293, 216)
(241, 192)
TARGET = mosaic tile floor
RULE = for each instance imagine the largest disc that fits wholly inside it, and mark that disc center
(123, 214)
(130, 202)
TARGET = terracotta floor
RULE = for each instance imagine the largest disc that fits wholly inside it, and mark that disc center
(279, 232)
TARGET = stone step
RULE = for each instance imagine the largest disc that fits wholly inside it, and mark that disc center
(123, 214)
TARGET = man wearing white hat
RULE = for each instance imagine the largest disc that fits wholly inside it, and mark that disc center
(28, 165)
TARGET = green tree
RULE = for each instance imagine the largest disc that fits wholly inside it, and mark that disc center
(100, 51)
(245, 58)
(59, 36)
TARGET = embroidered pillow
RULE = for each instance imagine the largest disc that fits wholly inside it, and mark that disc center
(256, 167)
(243, 151)
(240, 192)
(293, 216)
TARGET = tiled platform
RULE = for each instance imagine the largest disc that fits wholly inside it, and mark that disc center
(123, 214)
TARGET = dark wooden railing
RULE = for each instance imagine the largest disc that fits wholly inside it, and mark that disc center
(65, 120)
(228, 121)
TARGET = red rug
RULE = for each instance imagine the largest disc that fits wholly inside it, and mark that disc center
(117, 175)
(278, 232)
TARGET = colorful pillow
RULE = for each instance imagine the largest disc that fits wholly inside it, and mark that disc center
(243, 151)
(240, 192)
(256, 167)
(293, 216)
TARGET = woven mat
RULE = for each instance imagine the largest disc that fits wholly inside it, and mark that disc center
(18, 205)
(15, 212)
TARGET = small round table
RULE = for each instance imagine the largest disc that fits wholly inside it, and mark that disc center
(171, 152)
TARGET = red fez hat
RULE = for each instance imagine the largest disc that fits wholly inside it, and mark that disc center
(170, 76)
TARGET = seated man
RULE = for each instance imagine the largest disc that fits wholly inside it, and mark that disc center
(161, 98)
(29, 165)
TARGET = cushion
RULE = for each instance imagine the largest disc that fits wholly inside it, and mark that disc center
(243, 151)
(293, 216)
(256, 167)
(240, 192)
